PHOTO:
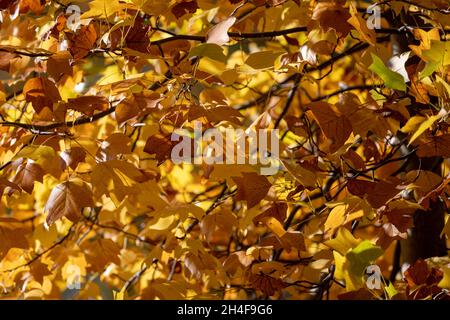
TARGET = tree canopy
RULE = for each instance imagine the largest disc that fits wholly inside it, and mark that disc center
(93, 204)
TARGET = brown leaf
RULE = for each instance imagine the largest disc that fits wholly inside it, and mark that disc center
(39, 270)
(12, 235)
(115, 145)
(73, 156)
(417, 274)
(236, 260)
(136, 36)
(6, 184)
(360, 187)
(434, 146)
(217, 227)
(184, 7)
(215, 114)
(125, 111)
(336, 127)
(422, 281)
(355, 160)
(35, 6)
(27, 173)
(88, 104)
(41, 92)
(387, 234)
(135, 106)
(196, 265)
(5, 4)
(332, 15)
(266, 283)
(59, 65)
(100, 253)
(161, 146)
(5, 60)
(378, 193)
(277, 210)
(83, 41)
(252, 188)
(433, 194)
(67, 199)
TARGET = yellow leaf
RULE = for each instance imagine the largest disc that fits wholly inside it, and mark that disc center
(163, 223)
(275, 226)
(412, 124)
(343, 242)
(262, 59)
(103, 9)
(445, 282)
(118, 295)
(423, 127)
(360, 25)
(390, 290)
(336, 218)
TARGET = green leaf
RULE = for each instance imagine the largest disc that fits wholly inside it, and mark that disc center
(362, 256)
(437, 56)
(209, 50)
(391, 79)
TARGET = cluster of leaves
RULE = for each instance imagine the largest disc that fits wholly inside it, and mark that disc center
(88, 103)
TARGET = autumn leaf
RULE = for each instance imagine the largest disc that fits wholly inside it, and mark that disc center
(88, 104)
(41, 93)
(361, 26)
(67, 200)
(103, 9)
(27, 174)
(73, 156)
(262, 59)
(251, 188)
(82, 41)
(59, 65)
(336, 127)
(184, 7)
(209, 50)
(276, 210)
(159, 145)
(109, 190)
(101, 253)
(12, 235)
(217, 227)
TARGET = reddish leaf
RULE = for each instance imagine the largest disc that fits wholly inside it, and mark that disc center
(184, 7)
